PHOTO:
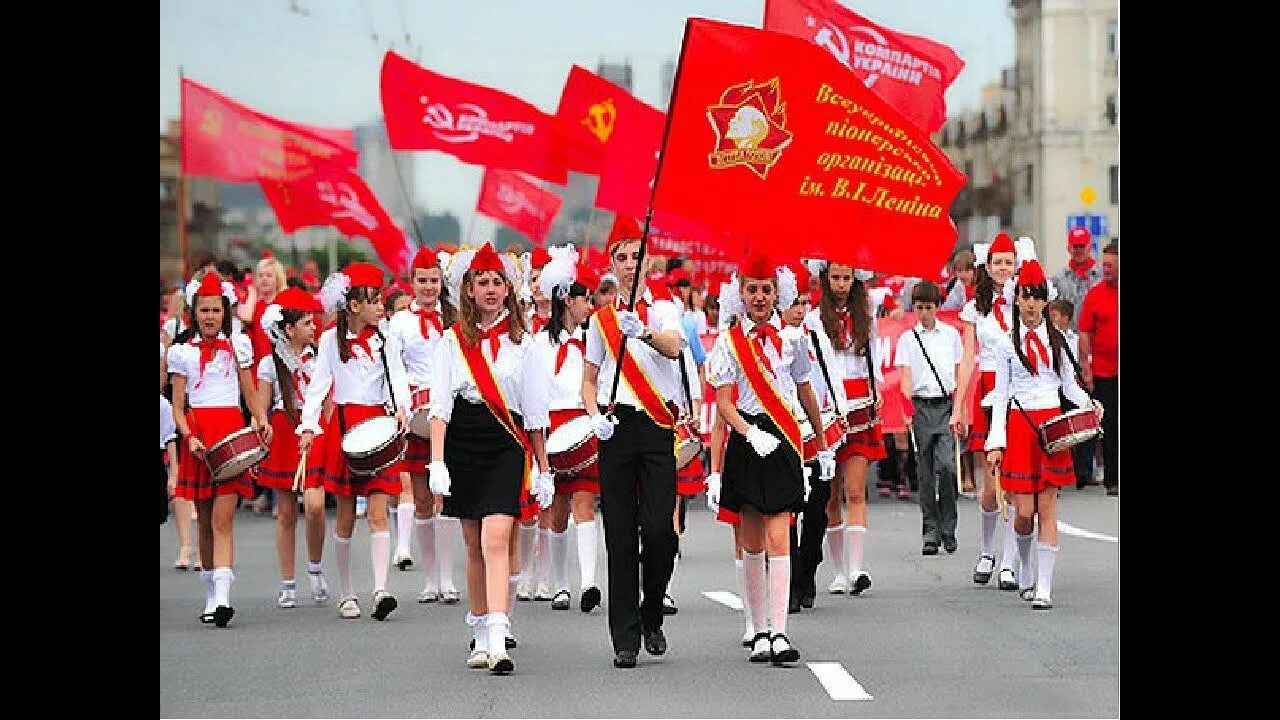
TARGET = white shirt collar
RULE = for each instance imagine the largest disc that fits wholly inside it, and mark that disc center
(505, 312)
(775, 320)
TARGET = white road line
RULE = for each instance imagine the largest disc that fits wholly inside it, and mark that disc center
(724, 598)
(1080, 532)
(837, 681)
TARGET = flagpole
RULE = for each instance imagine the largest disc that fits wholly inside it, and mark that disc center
(182, 184)
(648, 216)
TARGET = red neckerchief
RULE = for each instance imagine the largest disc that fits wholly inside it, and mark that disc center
(1082, 268)
(995, 310)
(300, 377)
(846, 325)
(539, 323)
(495, 333)
(1033, 341)
(208, 351)
(362, 340)
(641, 308)
(428, 318)
(563, 352)
(968, 291)
(758, 334)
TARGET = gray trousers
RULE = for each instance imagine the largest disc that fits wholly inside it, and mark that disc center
(935, 469)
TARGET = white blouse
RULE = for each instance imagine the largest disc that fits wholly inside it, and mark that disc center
(819, 383)
(790, 366)
(450, 377)
(219, 385)
(663, 316)
(168, 426)
(847, 364)
(358, 381)
(563, 388)
(418, 351)
(267, 374)
(987, 332)
(1034, 392)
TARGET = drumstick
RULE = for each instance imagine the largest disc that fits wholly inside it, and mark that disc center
(300, 473)
(959, 480)
(1001, 502)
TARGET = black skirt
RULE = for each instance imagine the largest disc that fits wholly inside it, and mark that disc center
(770, 484)
(486, 464)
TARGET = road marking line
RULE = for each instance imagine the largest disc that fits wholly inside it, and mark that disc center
(837, 681)
(1080, 532)
(724, 598)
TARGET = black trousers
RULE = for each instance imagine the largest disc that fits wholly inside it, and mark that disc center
(637, 500)
(806, 550)
(1107, 391)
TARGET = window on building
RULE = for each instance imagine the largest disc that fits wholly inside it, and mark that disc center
(1112, 110)
(1113, 184)
(1112, 36)
(1029, 182)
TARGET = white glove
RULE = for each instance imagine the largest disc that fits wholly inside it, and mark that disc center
(826, 464)
(713, 490)
(808, 487)
(544, 488)
(761, 441)
(630, 323)
(438, 473)
(603, 426)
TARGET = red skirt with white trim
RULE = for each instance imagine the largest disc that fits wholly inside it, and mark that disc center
(1026, 468)
(276, 472)
(586, 479)
(210, 424)
(338, 478)
(981, 420)
(867, 443)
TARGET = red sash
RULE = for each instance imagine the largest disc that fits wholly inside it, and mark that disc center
(752, 366)
(482, 373)
(640, 384)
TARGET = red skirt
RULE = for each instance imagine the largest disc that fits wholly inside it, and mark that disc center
(982, 416)
(692, 479)
(731, 517)
(417, 454)
(586, 479)
(868, 443)
(1026, 468)
(276, 472)
(210, 424)
(338, 478)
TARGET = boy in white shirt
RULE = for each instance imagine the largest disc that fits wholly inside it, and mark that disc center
(929, 358)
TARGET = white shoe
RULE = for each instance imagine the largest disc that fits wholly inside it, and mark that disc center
(404, 562)
(478, 660)
(349, 608)
(1027, 593)
(319, 587)
(747, 637)
(500, 662)
(450, 596)
(428, 595)
(1041, 602)
(288, 598)
(839, 586)
(523, 591)
(543, 593)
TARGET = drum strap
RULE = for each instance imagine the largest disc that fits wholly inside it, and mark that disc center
(386, 369)
(822, 363)
(924, 352)
(1074, 363)
(1039, 435)
(684, 381)
(342, 419)
(871, 375)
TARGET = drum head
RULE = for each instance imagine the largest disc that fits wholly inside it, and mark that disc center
(859, 402)
(687, 451)
(240, 464)
(569, 435)
(420, 423)
(369, 435)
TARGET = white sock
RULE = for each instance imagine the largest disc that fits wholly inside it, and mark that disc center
(426, 529)
(989, 531)
(206, 578)
(542, 561)
(448, 530)
(855, 537)
(498, 624)
(342, 554)
(314, 567)
(779, 592)
(222, 579)
(1024, 564)
(479, 631)
(1009, 549)
(740, 567)
(380, 554)
(675, 565)
(587, 546)
(835, 544)
(559, 560)
(528, 536)
(1047, 554)
(753, 570)
(404, 526)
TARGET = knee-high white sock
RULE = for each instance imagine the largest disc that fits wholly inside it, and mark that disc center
(342, 555)
(542, 561)
(1024, 564)
(559, 560)
(528, 537)
(741, 569)
(675, 565)
(753, 568)
(479, 630)
(779, 591)
(404, 527)
(222, 579)
(380, 554)
(856, 538)
(989, 531)
(587, 545)
(1046, 555)
(498, 624)
(448, 530)
(426, 529)
(1009, 549)
(206, 579)
(835, 545)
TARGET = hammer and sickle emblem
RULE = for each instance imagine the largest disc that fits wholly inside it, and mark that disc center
(600, 119)
(211, 122)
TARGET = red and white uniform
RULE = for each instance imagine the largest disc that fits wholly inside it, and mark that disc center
(991, 332)
(1026, 468)
(213, 398)
(557, 367)
(278, 469)
(360, 391)
(417, 330)
(692, 478)
(849, 368)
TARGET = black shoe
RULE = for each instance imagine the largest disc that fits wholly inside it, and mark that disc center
(1008, 580)
(669, 605)
(765, 654)
(386, 603)
(807, 598)
(222, 615)
(561, 600)
(789, 655)
(793, 604)
(625, 659)
(206, 618)
(510, 642)
(655, 643)
(930, 548)
(949, 544)
(982, 578)
(860, 583)
(590, 599)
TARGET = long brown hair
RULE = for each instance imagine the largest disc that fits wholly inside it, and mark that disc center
(364, 294)
(288, 391)
(469, 314)
(984, 288)
(1057, 343)
(856, 305)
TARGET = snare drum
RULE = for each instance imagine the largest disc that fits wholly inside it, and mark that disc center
(373, 445)
(419, 409)
(234, 454)
(688, 442)
(860, 416)
(1069, 429)
(573, 447)
(832, 429)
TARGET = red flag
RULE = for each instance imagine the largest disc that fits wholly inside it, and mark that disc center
(337, 197)
(909, 72)
(476, 124)
(631, 158)
(587, 114)
(226, 140)
(771, 139)
(512, 200)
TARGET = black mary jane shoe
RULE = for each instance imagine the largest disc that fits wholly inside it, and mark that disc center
(789, 655)
(222, 615)
(759, 656)
(625, 659)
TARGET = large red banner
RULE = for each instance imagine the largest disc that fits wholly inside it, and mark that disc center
(910, 72)
(226, 140)
(772, 140)
(512, 200)
(425, 110)
(631, 158)
(587, 114)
